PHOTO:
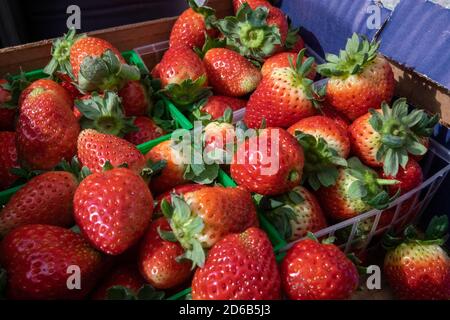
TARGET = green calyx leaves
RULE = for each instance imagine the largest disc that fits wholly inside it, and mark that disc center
(401, 134)
(146, 292)
(152, 169)
(249, 34)
(186, 228)
(61, 54)
(358, 53)
(210, 43)
(15, 86)
(300, 71)
(435, 234)
(188, 92)
(106, 72)
(105, 114)
(368, 186)
(74, 167)
(200, 168)
(207, 12)
(292, 36)
(280, 210)
(321, 161)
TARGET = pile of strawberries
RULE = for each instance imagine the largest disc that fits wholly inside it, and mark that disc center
(99, 219)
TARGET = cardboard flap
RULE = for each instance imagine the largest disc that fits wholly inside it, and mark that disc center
(327, 24)
(417, 36)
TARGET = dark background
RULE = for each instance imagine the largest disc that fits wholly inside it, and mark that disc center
(23, 21)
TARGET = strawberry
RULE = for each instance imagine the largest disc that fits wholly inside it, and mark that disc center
(137, 97)
(294, 42)
(360, 79)
(283, 98)
(8, 159)
(269, 164)
(45, 199)
(48, 85)
(178, 190)
(67, 83)
(47, 130)
(107, 214)
(326, 147)
(95, 149)
(37, 259)
(126, 276)
(202, 217)
(229, 73)
(180, 155)
(183, 76)
(294, 214)
(104, 113)
(147, 130)
(357, 190)
(95, 64)
(256, 33)
(241, 266)
(318, 271)
(283, 60)
(158, 258)
(219, 139)
(386, 137)
(216, 105)
(417, 267)
(173, 173)
(7, 115)
(252, 3)
(191, 26)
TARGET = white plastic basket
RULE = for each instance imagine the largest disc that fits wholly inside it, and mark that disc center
(436, 166)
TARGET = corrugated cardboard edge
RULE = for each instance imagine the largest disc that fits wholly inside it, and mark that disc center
(36, 55)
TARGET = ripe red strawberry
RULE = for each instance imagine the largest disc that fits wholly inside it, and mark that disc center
(281, 60)
(274, 167)
(283, 98)
(8, 159)
(95, 149)
(191, 26)
(327, 129)
(47, 130)
(408, 179)
(183, 76)
(107, 214)
(252, 3)
(357, 190)
(255, 32)
(45, 199)
(66, 83)
(418, 268)
(48, 85)
(137, 97)
(386, 137)
(126, 276)
(229, 73)
(37, 259)
(216, 105)
(95, 64)
(316, 271)
(158, 258)
(360, 79)
(172, 174)
(7, 112)
(295, 214)
(202, 217)
(297, 45)
(239, 267)
(147, 130)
